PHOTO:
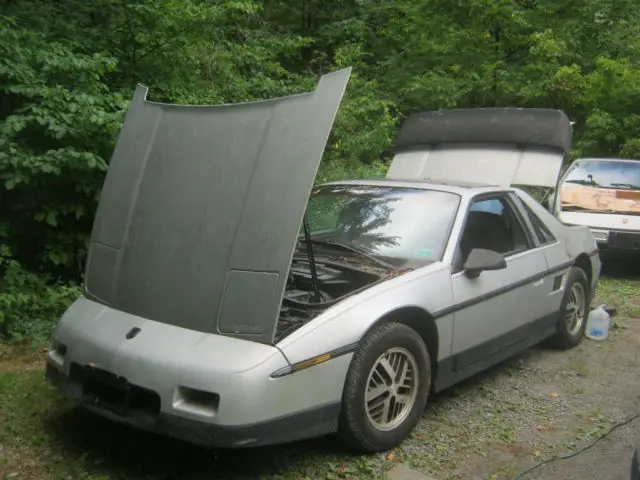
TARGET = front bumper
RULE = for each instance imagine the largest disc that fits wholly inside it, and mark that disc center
(204, 388)
(617, 241)
(313, 422)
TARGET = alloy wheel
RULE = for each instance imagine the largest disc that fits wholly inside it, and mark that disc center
(392, 387)
(575, 308)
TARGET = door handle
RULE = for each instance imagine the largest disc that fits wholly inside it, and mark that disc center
(537, 283)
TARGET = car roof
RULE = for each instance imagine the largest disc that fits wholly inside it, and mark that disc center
(452, 186)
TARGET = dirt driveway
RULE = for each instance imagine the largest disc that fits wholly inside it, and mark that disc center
(495, 426)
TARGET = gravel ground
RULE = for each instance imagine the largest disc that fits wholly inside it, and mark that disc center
(494, 426)
(541, 404)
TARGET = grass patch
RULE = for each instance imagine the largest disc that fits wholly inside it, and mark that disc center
(45, 438)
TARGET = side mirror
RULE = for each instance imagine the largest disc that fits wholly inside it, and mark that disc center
(480, 260)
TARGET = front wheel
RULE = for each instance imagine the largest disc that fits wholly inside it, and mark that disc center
(573, 310)
(386, 389)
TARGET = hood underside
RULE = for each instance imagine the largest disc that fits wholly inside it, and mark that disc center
(497, 146)
(201, 208)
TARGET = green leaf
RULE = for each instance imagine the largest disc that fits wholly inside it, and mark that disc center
(51, 219)
(10, 183)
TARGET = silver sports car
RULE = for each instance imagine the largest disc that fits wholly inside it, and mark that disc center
(230, 302)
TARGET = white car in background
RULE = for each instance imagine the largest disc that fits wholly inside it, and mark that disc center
(603, 194)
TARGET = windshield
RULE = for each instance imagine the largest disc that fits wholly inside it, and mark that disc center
(395, 224)
(605, 174)
(606, 186)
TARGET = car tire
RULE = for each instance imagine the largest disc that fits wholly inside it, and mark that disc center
(388, 347)
(572, 321)
(635, 464)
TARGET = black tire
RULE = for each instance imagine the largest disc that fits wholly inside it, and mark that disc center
(564, 337)
(355, 428)
(635, 464)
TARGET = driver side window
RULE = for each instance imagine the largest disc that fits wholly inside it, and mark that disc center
(492, 224)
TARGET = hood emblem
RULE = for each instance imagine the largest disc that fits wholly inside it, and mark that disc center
(625, 220)
(133, 333)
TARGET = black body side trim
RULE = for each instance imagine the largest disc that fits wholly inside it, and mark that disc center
(474, 360)
(442, 365)
(499, 291)
(300, 425)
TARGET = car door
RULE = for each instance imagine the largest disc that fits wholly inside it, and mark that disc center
(494, 311)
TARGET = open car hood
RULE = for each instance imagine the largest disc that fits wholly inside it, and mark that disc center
(497, 146)
(201, 207)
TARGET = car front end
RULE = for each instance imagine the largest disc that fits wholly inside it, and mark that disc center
(187, 266)
(207, 389)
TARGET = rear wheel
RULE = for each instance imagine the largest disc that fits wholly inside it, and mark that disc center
(386, 389)
(635, 464)
(574, 310)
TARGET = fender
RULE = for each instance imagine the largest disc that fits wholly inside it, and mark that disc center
(346, 323)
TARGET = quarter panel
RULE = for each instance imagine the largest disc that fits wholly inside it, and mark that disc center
(559, 264)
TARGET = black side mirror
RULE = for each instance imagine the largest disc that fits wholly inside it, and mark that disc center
(480, 260)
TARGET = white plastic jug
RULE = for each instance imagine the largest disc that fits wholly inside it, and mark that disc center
(598, 324)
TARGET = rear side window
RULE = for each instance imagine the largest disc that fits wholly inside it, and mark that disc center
(543, 234)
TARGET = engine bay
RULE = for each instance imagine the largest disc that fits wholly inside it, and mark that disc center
(337, 277)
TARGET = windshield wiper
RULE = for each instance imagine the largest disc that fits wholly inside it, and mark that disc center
(588, 183)
(348, 248)
(573, 208)
(625, 186)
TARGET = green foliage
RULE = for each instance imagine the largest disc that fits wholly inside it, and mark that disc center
(58, 124)
(68, 69)
(30, 304)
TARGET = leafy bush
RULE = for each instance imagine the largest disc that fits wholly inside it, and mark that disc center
(30, 303)
(69, 67)
(334, 171)
(59, 120)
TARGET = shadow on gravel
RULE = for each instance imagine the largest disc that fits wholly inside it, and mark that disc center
(106, 448)
(621, 269)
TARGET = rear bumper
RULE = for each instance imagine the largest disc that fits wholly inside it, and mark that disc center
(313, 422)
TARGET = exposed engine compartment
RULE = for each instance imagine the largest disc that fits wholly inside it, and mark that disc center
(338, 278)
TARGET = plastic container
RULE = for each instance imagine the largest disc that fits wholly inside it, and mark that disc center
(598, 324)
